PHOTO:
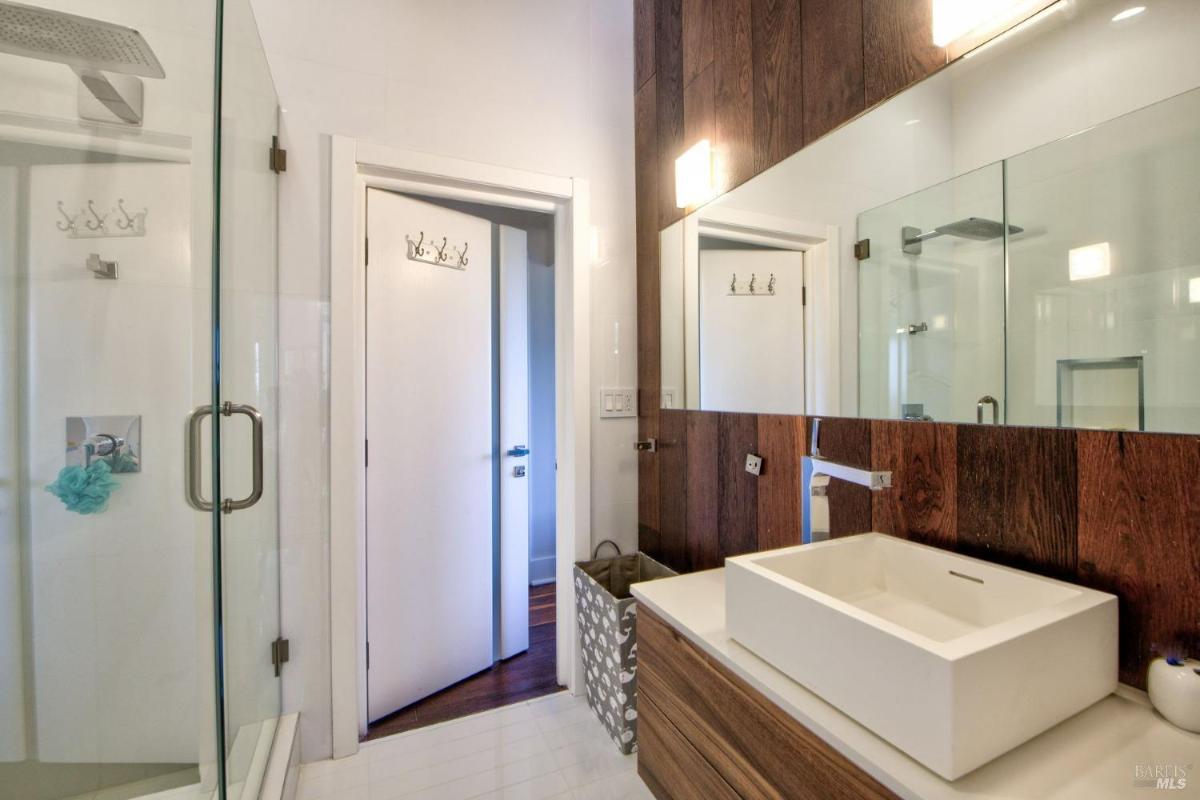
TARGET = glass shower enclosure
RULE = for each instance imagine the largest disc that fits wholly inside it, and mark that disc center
(139, 607)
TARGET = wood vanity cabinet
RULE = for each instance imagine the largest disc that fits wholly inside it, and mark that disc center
(704, 734)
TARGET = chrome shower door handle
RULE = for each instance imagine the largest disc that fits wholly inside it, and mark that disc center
(987, 399)
(229, 505)
(195, 459)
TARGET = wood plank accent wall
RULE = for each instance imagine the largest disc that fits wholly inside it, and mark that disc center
(1115, 511)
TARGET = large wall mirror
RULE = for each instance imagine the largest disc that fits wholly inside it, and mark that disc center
(1015, 240)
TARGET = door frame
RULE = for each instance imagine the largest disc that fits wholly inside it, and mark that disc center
(356, 166)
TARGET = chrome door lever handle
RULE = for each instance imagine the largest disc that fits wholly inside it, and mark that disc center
(518, 451)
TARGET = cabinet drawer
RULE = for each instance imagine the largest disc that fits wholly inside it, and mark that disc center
(669, 765)
(759, 750)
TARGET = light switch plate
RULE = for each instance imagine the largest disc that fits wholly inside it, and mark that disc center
(619, 402)
(754, 464)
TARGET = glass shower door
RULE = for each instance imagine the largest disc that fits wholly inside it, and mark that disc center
(247, 324)
(931, 303)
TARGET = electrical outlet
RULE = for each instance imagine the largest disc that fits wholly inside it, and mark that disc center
(618, 403)
(754, 464)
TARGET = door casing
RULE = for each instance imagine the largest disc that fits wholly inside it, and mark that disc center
(355, 166)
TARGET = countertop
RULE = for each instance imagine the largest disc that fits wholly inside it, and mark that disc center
(1094, 755)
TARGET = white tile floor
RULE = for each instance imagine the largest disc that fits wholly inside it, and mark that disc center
(551, 747)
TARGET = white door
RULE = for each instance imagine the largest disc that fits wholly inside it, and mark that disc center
(430, 596)
(752, 347)
(514, 440)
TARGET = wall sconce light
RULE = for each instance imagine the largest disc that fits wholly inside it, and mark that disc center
(979, 19)
(1090, 261)
(694, 175)
(1194, 290)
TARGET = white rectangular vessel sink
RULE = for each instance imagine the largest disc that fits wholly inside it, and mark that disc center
(953, 660)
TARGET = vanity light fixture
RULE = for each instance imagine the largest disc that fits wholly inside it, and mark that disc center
(953, 19)
(1128, 13)
(1089, 261)
(1194, 290)
(694, 175)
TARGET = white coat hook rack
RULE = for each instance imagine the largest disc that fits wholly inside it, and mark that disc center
(439, 254)
(90, 223)
(751, 288)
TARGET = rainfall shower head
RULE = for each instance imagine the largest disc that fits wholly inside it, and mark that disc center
(88, 46)
(79, 42)
(975, 228)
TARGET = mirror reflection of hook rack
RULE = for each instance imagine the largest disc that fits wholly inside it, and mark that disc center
(89, 223)
(440, 254)
(751, 288)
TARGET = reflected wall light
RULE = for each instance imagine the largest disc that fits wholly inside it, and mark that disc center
(1128, 13)
(1194, 290)
(1089, 261)
(694, 175)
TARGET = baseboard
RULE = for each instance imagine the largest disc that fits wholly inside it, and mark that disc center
(283, 765)
(541, 570)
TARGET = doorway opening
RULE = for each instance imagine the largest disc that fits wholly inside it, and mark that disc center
(460, 543)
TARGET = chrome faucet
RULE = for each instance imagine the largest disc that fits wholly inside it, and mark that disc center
(816, 472)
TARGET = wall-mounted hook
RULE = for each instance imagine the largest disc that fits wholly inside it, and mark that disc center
(98, 224)
(462, 257)
(441, 251)
(771, 284)
(733, 284)
(130, 220)
(753, 279)
(68, 223)
(416, 248)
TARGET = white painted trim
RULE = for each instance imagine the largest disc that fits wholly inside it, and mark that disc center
(354, 166)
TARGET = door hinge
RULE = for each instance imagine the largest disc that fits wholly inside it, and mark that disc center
(278, 156)
(368, 655)
(280, 651)
(862, 249)
(367, 251)
(803, 295)
(366, 452)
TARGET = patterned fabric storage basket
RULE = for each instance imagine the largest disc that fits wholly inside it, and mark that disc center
(607, 615)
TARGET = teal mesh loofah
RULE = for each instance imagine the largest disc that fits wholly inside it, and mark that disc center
(84, 491)
(121, 461)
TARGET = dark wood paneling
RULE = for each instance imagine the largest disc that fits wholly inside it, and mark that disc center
(697, 38)
(832, 48)
(672, 489)
(847, 441)
(780, 443)
(1017, 498)
(898, 46)
(702, 478)
(737, 509)
(733, 82)
(668, 57)
(1139, 538)
(669, 764)
(752, 744)
(648, 286)
(643, 42)
(778, 81)
(921, 505)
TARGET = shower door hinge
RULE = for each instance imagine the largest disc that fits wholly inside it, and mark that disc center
(862, 249)
(803, 295)
(279, 654)
(278, 156)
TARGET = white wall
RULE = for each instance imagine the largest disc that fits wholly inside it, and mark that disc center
(541, 85)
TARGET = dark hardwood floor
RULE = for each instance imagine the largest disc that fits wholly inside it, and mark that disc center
(522, 677)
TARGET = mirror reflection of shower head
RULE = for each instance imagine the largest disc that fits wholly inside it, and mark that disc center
(975, 228)
(91, 48)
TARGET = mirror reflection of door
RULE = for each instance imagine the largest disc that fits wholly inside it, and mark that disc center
(751, 327)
